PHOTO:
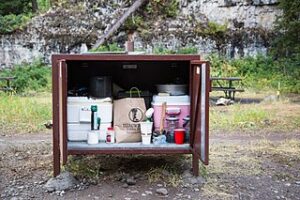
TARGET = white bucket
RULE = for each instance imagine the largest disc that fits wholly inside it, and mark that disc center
(146, 139)
(146, 127)
(93, 137)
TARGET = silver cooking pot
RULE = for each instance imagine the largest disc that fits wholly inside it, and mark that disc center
(173, 89)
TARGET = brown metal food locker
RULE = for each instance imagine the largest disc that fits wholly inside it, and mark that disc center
(68, 69)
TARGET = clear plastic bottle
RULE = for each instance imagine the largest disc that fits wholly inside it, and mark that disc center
(110, 136)
(172, 124)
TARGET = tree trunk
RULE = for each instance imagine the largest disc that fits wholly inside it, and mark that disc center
(34, 6)
(116, 26)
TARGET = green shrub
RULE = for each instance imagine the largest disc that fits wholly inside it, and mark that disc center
(44, 5)
(14, 6)
(12, 22)
(164, 8)
(30, 77)
(187, 50)
(15, 14)
(286, 42)
(133, 23)
(109, 47)
(183, 50)
(143, 18)
(163, 51)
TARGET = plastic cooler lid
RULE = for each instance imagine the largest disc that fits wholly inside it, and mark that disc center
(171, 99)
(88, 100)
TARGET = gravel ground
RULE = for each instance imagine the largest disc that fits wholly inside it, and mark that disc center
(241, 167)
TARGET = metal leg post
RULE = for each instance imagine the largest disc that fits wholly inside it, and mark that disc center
(195, 165)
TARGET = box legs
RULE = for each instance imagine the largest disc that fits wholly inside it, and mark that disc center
(56, 163)
(195, 165)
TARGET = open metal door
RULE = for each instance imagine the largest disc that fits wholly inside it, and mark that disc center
(59, 89)
(62, 83)
(200, 105)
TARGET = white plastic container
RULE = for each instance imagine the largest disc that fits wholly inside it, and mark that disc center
(93, 137)
(79, 109)
(78, 132)
(177, 106)
(146, 139)
(146, 127)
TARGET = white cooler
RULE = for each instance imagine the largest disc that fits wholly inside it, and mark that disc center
(79, 116)
(79, 109)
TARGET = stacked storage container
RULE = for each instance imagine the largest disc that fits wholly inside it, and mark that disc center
(177, 106)
(79, 117)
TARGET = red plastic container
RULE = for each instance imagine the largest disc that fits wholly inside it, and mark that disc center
(179, 135)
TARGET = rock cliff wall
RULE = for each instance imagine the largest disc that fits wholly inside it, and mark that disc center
(63, 30)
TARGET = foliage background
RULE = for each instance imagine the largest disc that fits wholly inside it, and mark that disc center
(34, 77)
(278, 70)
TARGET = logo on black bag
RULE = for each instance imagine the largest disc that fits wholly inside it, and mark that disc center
(135, 115)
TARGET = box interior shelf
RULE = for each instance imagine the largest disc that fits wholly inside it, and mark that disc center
(138, 145)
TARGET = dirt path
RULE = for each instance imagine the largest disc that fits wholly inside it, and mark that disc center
(242, 166)
(6, 141)
(215, 138)
(245, 138)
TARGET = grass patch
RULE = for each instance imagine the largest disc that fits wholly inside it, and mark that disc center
(203, 170)
(296, 121)
(166, 169)
(165, 174)
(238, 117)
(24, 114)
(85, 167)
(280, 116)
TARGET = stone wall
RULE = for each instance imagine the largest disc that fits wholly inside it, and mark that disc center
(249, 22)
(64, 30)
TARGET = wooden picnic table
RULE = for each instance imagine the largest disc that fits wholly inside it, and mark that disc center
(226, 85)
(8, 87)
